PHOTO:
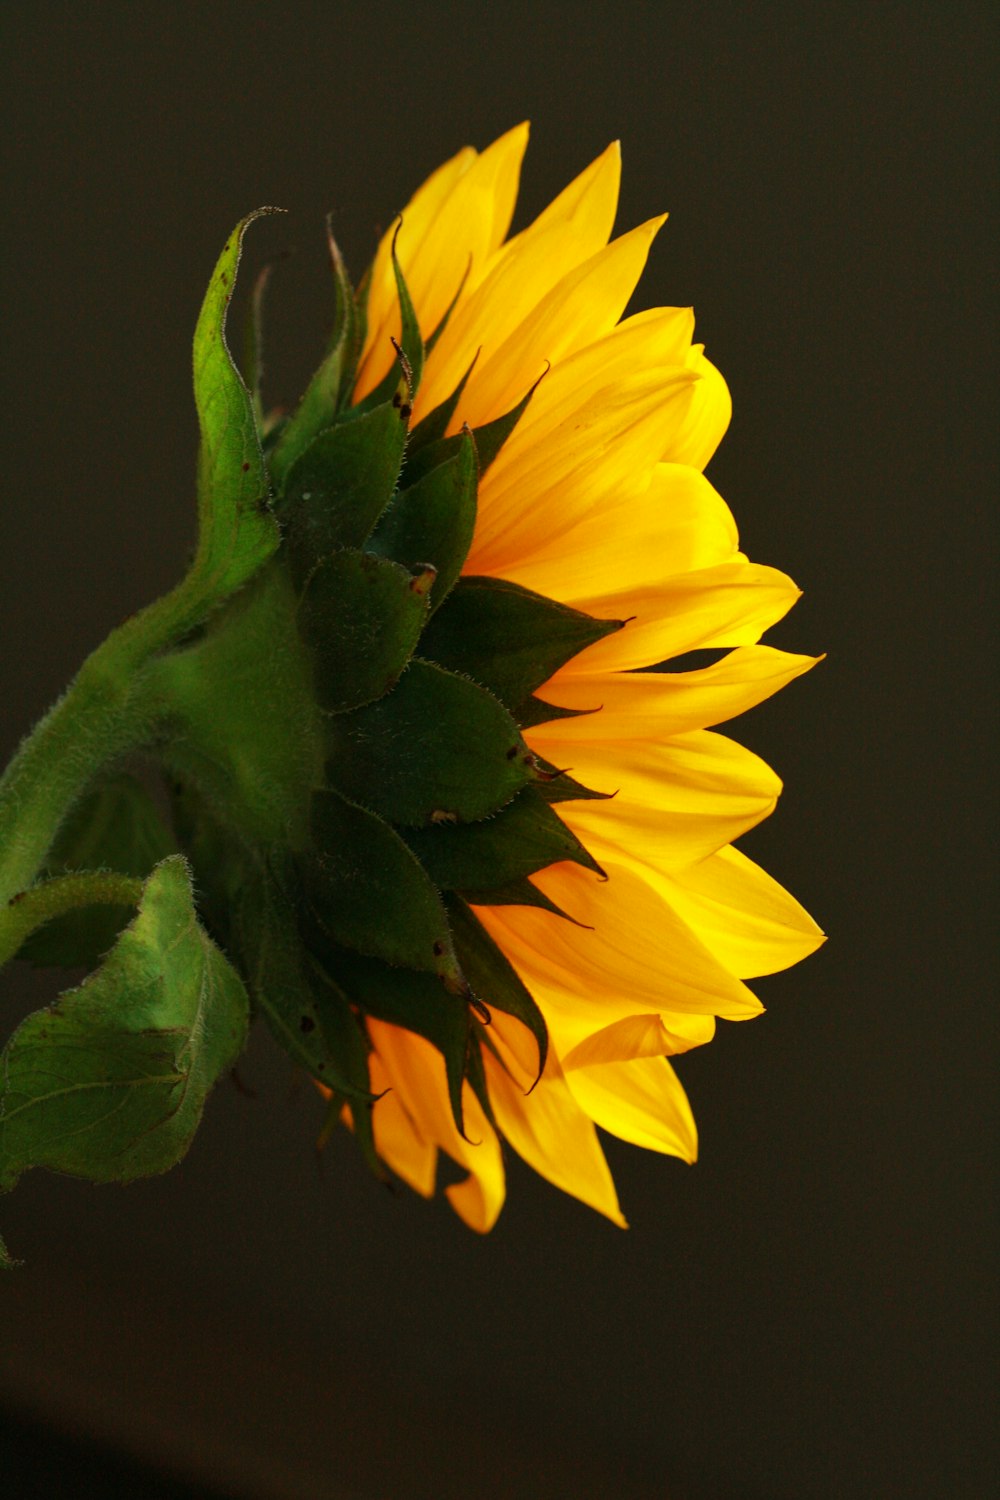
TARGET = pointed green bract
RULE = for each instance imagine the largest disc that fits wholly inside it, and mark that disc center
(109, 1083)
(524, 837)
(326, 392)
(432, 428)
(363, 616)
(433, 521)
(410, 353)
(437, 748)
(508, 638)
(368, 891)
(492, 977)
(489, 440)
(236, 531)
(338, 488)
(116, 827)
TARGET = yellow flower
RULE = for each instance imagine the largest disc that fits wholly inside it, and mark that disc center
(597, 500)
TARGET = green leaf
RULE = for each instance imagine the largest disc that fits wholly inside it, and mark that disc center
(368, 892)
(109, 1083)
(492, 977)
(362, 616)
(116, 827)
(310, 1021)
(421, 1004)
(437, 748)
(236, 531)
(433, 521)
(337, 489)
(525, 836)
(326, 391)
(410, 349)
(508, 638)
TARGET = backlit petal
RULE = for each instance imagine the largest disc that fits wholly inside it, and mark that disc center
(641, 1102)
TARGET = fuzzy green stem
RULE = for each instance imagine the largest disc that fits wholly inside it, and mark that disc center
(99, 718)
(51, 898)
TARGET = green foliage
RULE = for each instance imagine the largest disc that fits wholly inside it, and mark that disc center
(368, 892)
(236, 530)
(525, 836)
(433, 521)
(363, 616)
(492, 977)
(403, 379)
(117, 826)
(508, 638)
(339, 486)
(437, 748)
(110, 1081)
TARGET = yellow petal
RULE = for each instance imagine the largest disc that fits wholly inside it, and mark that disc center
(640, 1036)
(631, 541)
(731, 604)
(554, 1136)
(633, 954)
(707, 416)
(641, 1102)
(468, 225)
(652, 705)
(398, 1141)
(676, 800)
(520, 276)
(416, 1070)
(523, 317)
(750, 922)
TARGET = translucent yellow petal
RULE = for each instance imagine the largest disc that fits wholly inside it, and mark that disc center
(707, 416)
(640, 1036)
(750, 922)
(631, 541)
(554, 1136)
(520, 276)
(522, 318)
(398, 1141)
(633, 955)
(419, 217)
(470, 223)
(416, 1071)
(731, 604)
(676, 800)
(653, 705)
(609, 440)
(641, 1102)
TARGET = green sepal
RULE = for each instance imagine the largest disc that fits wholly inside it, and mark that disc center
(489, 438)
(508, 638)
(524, 837)
(536, 711)
(236, 531)
(330, 385)
(253, 338)
(117, 826)
(313, 1025)
(336, 490)
(433, 521)
(432, 428)
(109, 1083)
(363, 616)
(492, 977)
(419, 1003)
(367, 890)
(515, 893)
(438, 748)
(409, 350)
(556, 785)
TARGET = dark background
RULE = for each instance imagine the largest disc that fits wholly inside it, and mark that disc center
(806, 1314)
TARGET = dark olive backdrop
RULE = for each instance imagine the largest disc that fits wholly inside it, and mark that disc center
(804, 1316)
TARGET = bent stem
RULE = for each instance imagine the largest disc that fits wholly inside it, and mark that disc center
(99, 718)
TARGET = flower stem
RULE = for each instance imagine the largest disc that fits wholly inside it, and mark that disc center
(99, 718)
(51, 898)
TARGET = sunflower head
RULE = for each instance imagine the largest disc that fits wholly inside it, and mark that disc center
(453, 805)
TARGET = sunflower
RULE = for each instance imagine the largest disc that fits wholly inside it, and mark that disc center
(596, 500)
